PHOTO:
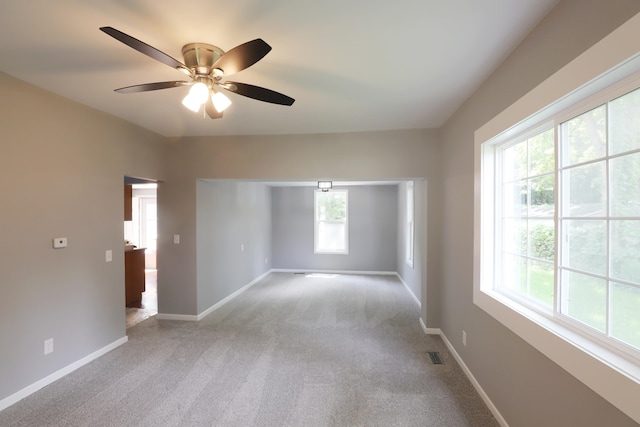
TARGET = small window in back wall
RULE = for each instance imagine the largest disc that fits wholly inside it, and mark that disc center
(331, 222)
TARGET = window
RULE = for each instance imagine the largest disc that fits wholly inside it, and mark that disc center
(331, 222)
(566, 219)
(599, 265)
(526, 218)
(409, 228)
(610, 366)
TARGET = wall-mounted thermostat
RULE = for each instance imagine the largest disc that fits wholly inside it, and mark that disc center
(59, 242)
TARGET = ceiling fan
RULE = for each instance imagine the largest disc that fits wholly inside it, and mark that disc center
(206, 65)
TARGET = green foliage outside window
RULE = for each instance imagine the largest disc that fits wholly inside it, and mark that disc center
(333, 206)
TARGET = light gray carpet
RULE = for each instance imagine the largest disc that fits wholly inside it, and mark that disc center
(290, 351)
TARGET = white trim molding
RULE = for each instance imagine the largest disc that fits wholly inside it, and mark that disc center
(231, 297)
(198, 317)
(315, 270)
(181, 317)
(415, 298)
(30, 389)
(485, 397)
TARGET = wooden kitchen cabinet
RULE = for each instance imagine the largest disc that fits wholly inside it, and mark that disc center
(134, 277)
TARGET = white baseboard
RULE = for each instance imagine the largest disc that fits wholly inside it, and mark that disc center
(232, 296)
(415, 298)
(182, 317)
(429, 331)
(315, 270)
(195, 318)
(467, 371)
(30, 389)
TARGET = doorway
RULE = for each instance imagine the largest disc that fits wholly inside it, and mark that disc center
(140, 235)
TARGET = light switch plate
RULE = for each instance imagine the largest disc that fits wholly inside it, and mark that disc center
(48, 346)
(59, 242)
(108, 256)
(176, 239)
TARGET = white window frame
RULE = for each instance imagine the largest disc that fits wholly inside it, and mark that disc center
(316, 224)
(409, 222)
(608, 372)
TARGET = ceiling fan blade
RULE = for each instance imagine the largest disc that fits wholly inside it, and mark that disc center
(144, 48)
(257, 92)
(211, 110)
(146, 87)
(242, 56)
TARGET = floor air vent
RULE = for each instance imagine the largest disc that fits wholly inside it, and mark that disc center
(435, 358)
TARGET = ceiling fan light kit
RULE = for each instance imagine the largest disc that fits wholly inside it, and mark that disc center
(206, 65)
(196, 97)
(220, 101)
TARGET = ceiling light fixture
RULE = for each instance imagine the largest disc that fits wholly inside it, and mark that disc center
(220, 101)
(325, 185)
(199, 94)
(196, 97)
(206, 65)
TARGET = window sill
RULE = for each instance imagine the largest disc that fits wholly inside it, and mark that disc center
(615, 378)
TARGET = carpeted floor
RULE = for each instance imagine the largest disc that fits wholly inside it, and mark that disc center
(290, 351)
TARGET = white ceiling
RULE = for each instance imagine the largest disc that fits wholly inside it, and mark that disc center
(350, 65)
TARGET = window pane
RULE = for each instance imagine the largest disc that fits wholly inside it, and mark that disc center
(625, 250)
(331, 232)
(624, 120)
(332, 205)
(541, 196)
(586, 186)
(541, 282)
(625, 185)
(542, 157)
(542, 239)
(515, 162)
(515, 199)
(585, 247)
(625, 313)
(584, 137)
(514, 273)
(531, 279)
(331, 237)
(514, 236)
(584, 298)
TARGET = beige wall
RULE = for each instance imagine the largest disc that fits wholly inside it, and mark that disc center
(61, 175)
(527, 388)
(344, 156)
(61, 170)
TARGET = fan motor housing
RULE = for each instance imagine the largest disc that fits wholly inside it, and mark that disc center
(200, 57)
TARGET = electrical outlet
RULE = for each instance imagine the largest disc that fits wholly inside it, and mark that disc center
(464, 338)
(176, 239)
(108, 255)
(48, 346)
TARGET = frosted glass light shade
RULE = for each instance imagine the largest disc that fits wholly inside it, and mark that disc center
(191, 103)
(199, 91)
(196, 97)
(220, 101)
